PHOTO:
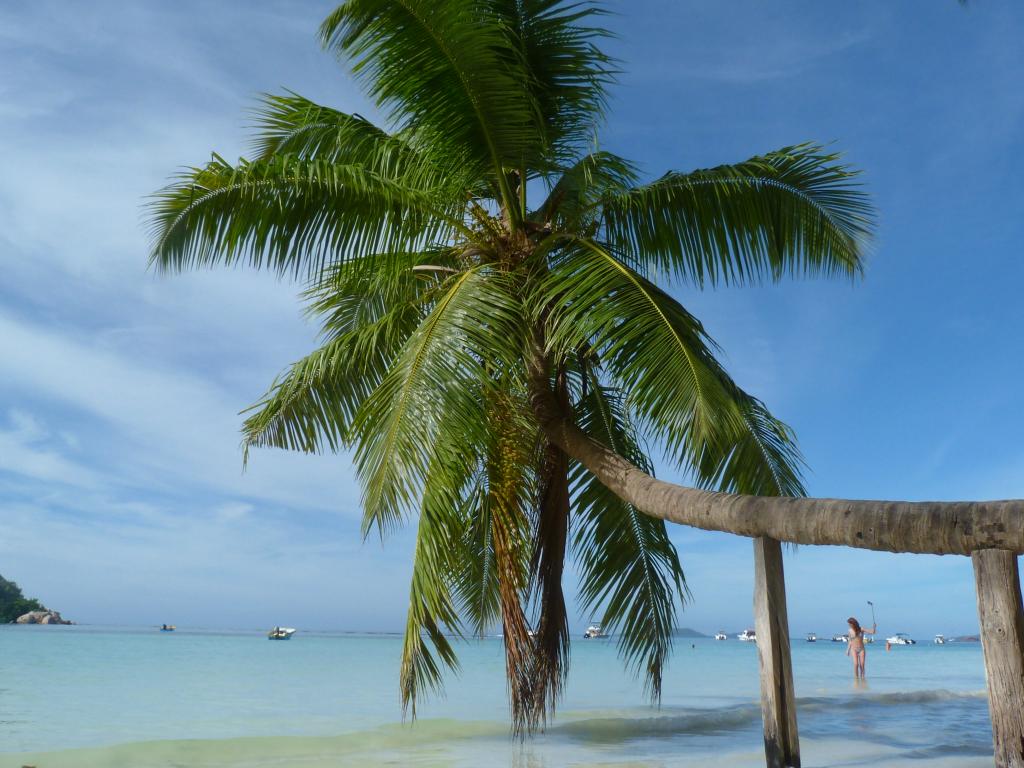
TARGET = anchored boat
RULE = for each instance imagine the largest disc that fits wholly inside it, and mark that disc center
(747, 636)
(721, 636)
(901, 638)
(280, 633)
(811, 637)
(594, 631)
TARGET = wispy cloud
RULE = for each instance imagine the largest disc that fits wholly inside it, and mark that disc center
(29, 450)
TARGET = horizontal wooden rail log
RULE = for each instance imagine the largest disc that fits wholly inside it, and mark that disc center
(926, 527)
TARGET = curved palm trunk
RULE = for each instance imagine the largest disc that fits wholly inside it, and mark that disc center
(927, 527)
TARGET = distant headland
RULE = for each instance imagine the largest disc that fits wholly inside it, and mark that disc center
(15, 608)
(687, 632)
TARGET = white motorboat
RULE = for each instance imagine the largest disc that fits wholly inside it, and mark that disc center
(721, 636)
(280, 633)
(811, 637)
(594, 631)
(747, 636)
(940, 640)
(901, 638)
(868, 639)
(840, 639)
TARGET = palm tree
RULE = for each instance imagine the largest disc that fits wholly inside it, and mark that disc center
(486, 282)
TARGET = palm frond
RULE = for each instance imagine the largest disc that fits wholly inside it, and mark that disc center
(312, 406)
(761, 459)
(798, 210)
(571, 206)
(290, 215)
(663, 361)
(431, 607)
(629, 567)
(437, 373)
(452, 491)
(290, 124)
(651, 347)
(445, 67)
(477, 583)
(357, 294)
(366, 315)
(568, 73)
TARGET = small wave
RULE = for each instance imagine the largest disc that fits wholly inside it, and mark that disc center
(894, 698)
(611, 728)
(619, 726)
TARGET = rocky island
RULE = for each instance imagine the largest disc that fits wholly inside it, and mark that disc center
(41, 617)
(15, 608)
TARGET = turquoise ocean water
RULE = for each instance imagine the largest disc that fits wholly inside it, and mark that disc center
(91, 696)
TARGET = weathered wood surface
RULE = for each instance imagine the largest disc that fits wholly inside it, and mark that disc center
(930, 527)
(778, 702)
(997, 579)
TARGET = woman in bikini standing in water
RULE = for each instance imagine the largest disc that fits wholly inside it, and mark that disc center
(855, 645)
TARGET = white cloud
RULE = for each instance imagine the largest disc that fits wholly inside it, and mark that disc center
(169, 426)
(25, 451)
(234, 510)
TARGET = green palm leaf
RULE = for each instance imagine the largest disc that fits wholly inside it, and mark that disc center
(447, 68)
(478, 588)
(292, 125)
(650, 346)
(568, 73)
(290, 215)
(571, 206)
(761, 459)
(629, 566)
(438, 372)
(366, 315)
(797, 210)
(313, 405)
(426, 649)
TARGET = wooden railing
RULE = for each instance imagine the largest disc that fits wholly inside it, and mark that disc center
(1001, 614)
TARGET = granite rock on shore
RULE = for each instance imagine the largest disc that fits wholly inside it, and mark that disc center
(41, 617)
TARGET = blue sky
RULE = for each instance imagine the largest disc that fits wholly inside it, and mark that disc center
(122, 498)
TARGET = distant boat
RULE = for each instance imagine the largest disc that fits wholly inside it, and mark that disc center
(280, 633)
(811, 637)
(167, 627)
(594, 631)
(840, 639)
(721, 636)
(901, 638)
(940, 640)
(747, 636)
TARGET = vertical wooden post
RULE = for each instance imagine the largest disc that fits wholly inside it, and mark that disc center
(778, 703)
(997, 579)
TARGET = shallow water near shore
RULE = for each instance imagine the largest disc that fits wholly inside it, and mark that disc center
(90, 696)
